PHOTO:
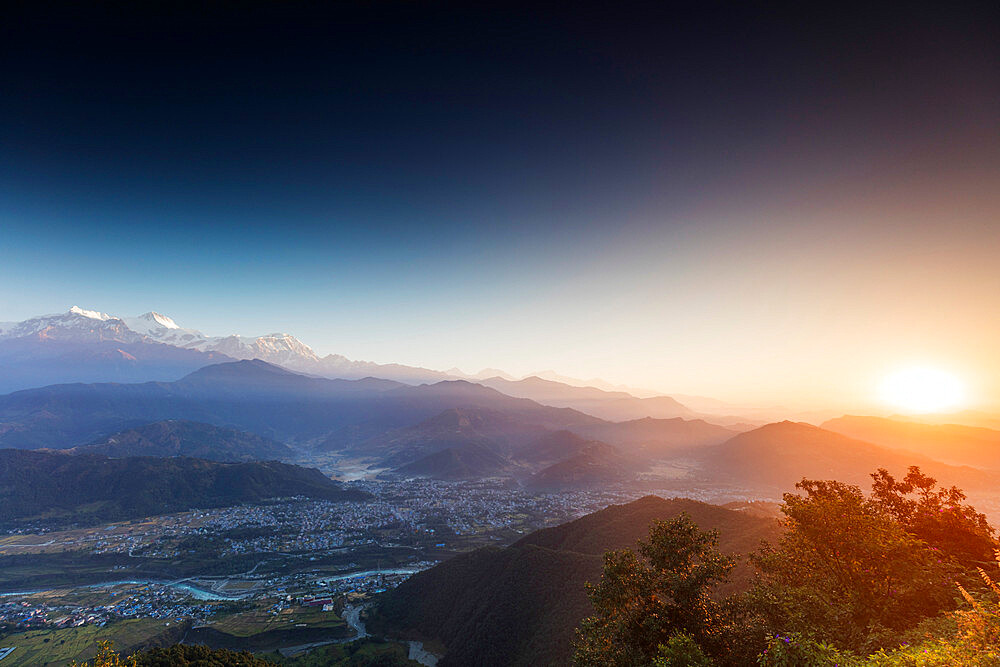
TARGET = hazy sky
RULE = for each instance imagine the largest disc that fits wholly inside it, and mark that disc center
(738, 203)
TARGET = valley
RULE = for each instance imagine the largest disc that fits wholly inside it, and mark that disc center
(245, 505)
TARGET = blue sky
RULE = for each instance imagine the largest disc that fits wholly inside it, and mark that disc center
(749, 205)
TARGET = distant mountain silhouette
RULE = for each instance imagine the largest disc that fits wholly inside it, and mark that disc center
(776, 456)
(467, 461)
(89, 346)
(174, 437)
(496, 430)
(609, 405)
(52, 486)
(37, 361)
(554, 447)
(596, 464)
(561, 459)
(254, 377)
(254, 396)
(520, 605)
(658, 437)
(950, 443)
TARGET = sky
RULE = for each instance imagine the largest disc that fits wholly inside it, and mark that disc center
(754, 204)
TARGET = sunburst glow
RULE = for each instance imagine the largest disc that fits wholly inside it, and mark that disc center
(922, 389)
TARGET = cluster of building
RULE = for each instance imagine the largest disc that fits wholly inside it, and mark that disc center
(23, 615)
(150, 601)
(402, 512)
(428, 513)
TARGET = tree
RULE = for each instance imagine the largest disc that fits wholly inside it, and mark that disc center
(174, 656)
(939, 517)
(847, 571)
(645, 599)
(196, 656)
(106, 657)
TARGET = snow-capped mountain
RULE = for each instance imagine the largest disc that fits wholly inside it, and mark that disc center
(76, 325)
(88, 346)
(276, 348)
(91, 346)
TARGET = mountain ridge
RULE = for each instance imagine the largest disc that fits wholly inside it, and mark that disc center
(174, 437)
(42, 486)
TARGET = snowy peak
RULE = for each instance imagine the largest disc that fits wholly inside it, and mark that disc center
(90, 314)
(79, 325)
(277, 348)
(76, 324)
(162, 320)
(158, 326)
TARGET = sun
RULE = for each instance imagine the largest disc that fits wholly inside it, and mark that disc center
(920, 389)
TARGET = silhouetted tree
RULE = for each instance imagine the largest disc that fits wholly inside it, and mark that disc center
(846, 570)
(938, 517)
(645, 599)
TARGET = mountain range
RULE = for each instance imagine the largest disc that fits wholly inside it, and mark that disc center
(610, 405)
(452, 429)
(253, 396)
(90, 346)
(273, 391)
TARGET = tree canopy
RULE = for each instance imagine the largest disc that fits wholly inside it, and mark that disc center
(648, 596)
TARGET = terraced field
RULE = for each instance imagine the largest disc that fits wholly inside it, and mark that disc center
(38, 648)
(255, 622)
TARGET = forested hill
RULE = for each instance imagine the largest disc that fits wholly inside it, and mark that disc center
(39, 485)
(520, 605)
(177, 437)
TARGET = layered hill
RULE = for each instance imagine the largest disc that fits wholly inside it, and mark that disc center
(658, 437)
(773, 458)
(253, 396)
(173, 437)
(558, 460)
(595, 467)
(951, 443)
(466, 461)
(564, 460)
(455, 427)
(519, 605)
(41, 486)
(530, 445)
(555, 446)
(609, 405)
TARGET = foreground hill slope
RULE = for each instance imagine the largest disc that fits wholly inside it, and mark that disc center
(174, 437)
(44, 485)
(520, 605)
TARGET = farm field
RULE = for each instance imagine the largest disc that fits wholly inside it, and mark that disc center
(60, 647)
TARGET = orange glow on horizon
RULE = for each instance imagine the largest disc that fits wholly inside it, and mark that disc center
(922, 389)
